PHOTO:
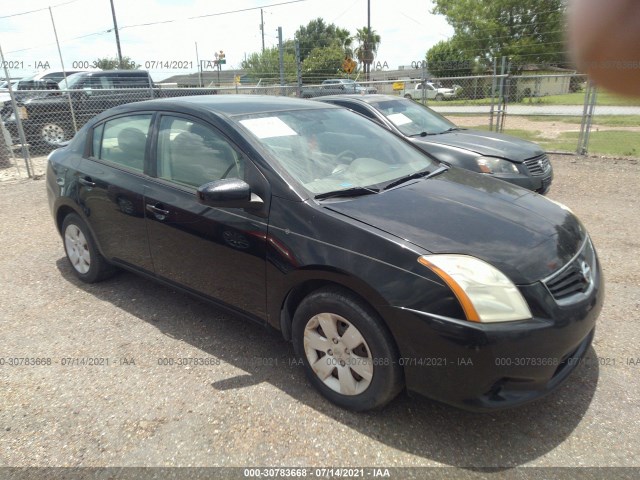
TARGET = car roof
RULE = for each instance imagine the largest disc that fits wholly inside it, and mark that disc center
(114, 73)
(230, 105)
(369, 98)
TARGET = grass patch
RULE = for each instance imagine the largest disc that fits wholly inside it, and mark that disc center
(604, 98)
(604, 120)
(613, 143)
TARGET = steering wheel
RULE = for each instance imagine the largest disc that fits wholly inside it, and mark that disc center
(346, 156)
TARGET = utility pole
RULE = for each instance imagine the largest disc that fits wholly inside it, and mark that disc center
(115, 27)
(262, 29)
(368, 41)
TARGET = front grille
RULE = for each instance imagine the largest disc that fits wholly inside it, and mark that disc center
(538, 165)
(570, 282)
(577, 277)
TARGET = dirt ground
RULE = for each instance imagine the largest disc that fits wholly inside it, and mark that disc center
(242, 411)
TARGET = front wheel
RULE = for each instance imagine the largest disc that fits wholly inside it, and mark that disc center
(407, 96)
(54, 134)
(439, 97)
(347, 352)
(85, 259)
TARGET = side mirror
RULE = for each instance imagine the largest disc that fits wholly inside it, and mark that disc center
(228, 193)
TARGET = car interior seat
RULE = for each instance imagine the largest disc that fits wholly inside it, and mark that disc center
(132, 143)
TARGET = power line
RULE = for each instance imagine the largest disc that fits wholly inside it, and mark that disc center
(38, 10)
(212, 14)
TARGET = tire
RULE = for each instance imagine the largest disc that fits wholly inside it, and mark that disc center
(408, 96)
(439, 97)
(53, 134)
(361, 371)
(86, 261)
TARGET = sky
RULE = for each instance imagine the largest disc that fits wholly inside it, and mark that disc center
(85, 31)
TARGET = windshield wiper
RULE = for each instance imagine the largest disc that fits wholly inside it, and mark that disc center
(421, 174)
(347, 192)
(453, 129)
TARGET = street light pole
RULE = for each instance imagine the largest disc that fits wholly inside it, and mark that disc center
(115, 27)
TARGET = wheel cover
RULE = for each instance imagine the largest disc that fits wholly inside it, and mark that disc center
(53, 133)
(338, 354)
(77, 249)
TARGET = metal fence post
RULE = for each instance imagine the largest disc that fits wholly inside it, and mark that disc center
(493, 95)
(590, 98)
(298, 69)
(14, 106)
(281, 59)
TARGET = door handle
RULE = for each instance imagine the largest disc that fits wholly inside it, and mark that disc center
(86, 181)
(156, 210)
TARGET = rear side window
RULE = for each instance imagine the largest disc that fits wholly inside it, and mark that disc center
(131, 81)
(358, 108)
(122, 141)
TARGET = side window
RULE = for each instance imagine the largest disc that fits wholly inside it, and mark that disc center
(122, 141)
(361, 110)
(191, 153)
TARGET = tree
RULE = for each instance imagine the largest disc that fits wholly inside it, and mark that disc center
(322, 63)
(111, 63)
(266, 65)
(317, 34)
(446, 59)
(368, 41)
(526, 31)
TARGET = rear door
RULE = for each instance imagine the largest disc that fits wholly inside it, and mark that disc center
(110, 188)
(217, 252)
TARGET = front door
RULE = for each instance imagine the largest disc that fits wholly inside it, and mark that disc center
(213, 251)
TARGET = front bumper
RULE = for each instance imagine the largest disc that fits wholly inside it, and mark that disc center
(492, 366)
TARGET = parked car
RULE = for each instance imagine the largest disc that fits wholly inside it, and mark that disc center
(45, 80)
(431, 92)
(384, 267)
(47, 119)
(498, 155)
(337, 86)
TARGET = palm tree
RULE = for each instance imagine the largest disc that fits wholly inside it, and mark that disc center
(368, 41)
(345, 40)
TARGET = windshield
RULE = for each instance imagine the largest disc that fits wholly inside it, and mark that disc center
(413, 118)
(334, 149)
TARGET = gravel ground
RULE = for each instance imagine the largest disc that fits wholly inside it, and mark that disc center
(247, 411)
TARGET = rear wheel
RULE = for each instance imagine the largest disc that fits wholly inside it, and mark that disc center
(87, 263)
(348, 354)
(407, 95)
(439, 97)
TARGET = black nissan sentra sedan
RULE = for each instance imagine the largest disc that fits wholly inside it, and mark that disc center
(386, 269)
(501, 156)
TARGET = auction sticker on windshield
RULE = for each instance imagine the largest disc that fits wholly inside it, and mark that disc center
(268, 127)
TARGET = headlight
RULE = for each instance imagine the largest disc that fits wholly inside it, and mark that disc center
(495, 165)
(485, 294)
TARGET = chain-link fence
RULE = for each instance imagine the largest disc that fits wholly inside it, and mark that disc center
(561, 112)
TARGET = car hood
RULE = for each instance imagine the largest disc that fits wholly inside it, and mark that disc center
(488, 143)
(523, 234)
